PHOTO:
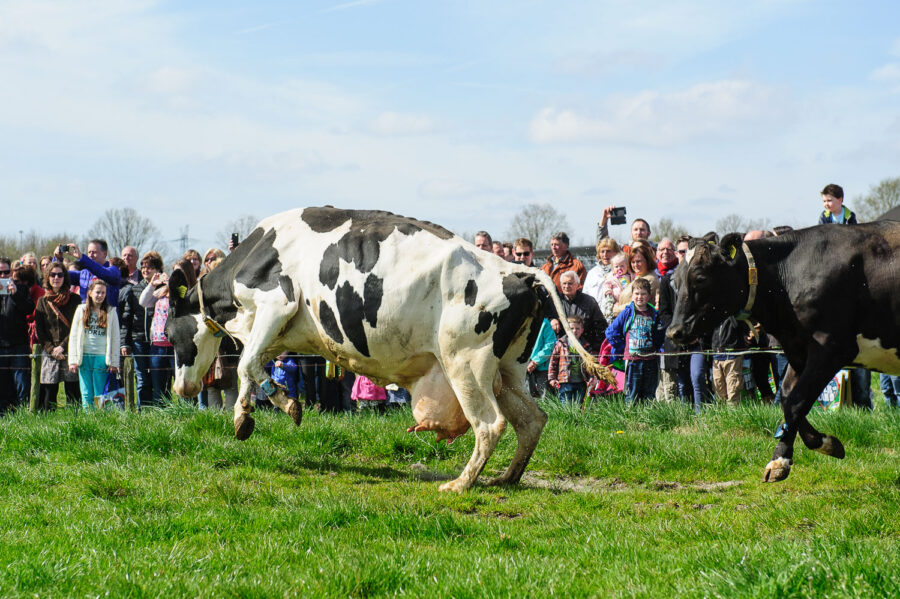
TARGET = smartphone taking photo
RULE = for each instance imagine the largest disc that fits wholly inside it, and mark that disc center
(617, 216)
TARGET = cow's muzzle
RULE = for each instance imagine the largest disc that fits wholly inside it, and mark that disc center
(186, 388)
(679, 334)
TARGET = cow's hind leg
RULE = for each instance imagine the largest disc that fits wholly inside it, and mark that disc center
(472, 382)
(528, 422)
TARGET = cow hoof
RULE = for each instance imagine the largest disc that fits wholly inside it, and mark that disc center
(776, 470)
(833, 447)
(455, 486)
(243, 427)
(295, 412)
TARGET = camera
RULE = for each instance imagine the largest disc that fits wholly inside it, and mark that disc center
(63, 249)
(617, 216)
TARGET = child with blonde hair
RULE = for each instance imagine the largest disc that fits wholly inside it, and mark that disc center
(94, 343)
(614, 283)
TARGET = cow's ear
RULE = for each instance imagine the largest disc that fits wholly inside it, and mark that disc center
(178, 290)
(730, 245)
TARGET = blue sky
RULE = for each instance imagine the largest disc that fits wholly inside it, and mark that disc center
(458, 112)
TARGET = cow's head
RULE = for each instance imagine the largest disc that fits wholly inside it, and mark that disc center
(712, 285)
(194, 343)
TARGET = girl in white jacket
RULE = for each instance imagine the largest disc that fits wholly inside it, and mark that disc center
(94, 343)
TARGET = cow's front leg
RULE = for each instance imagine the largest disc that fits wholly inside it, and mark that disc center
(801, 392)
(812, 438)
(243, 421)
(271, 318)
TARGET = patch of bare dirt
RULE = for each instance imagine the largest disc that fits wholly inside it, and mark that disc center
(706, 487)
(422, 472)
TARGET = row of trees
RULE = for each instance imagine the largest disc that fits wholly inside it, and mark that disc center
(124, 226)
(538, 221)
(120, 227)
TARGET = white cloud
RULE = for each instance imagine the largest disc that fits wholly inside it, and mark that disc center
(391, 124)
(597, 64)
(169, 80)
(351, 4)
(889, 72)
(720, 109)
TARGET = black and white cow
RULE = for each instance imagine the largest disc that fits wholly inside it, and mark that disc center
(396, 299)
(830, 294)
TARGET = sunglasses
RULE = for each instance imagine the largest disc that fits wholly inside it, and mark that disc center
(682, 252)
(210, 259)
(4, 272)
(55, 275)
(522, 254)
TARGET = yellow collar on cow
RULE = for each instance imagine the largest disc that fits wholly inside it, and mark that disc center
(753, 282)
(214, 327)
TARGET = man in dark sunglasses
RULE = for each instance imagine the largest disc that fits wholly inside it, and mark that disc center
(16, 305)
(523, 251)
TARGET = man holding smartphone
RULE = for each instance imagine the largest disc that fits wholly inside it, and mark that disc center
(640, 229)
(92, 264)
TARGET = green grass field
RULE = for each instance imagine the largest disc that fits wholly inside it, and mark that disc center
(644, 502)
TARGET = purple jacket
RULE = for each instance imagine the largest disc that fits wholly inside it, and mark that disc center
(91, 270)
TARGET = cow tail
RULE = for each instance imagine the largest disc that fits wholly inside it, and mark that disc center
(591, 364)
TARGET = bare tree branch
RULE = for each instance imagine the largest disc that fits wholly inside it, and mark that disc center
(243, 226)
(124, 226)
(537, 222)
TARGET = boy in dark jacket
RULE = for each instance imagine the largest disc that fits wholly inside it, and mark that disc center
(634, 333)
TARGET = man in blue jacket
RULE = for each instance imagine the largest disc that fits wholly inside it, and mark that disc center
(93, 265)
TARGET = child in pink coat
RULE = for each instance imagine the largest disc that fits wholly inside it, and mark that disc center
(367, 394)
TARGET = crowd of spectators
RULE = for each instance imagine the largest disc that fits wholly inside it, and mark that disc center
(87, 312)
(621, 307)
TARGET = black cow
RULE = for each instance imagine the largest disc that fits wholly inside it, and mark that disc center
(830, 294)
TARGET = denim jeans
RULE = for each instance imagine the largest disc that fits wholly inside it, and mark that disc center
(162, 368)
(143, 380)
(698, 380)
(781, 364)
(890, 386)
(15, 379)
(572, 393)
(641, 380)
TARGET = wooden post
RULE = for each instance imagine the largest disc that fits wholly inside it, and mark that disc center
(35, 377)
(128, 381)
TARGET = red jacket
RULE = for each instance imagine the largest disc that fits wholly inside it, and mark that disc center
(568, 262)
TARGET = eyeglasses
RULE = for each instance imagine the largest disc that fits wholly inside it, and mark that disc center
(682, 252)
(55, 275)
(522, 254)
(4, 272)
(210, 259)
